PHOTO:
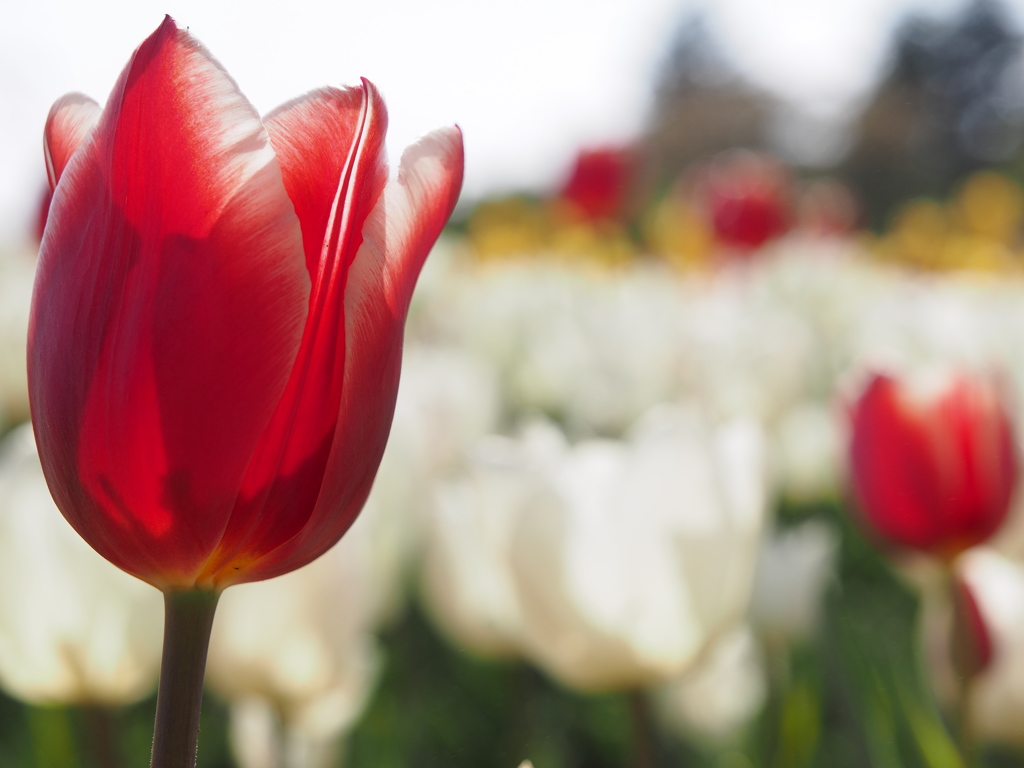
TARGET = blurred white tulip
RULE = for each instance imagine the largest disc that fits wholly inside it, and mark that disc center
(446, 401)
(466, 581)
(259, 739)
(747, 357)
(299, 646)
(997, 694)
(448, 398)
(809, 453)
(591, 348)
(17, 274)
(913, 322)
(643, 554)
(831, 286)
(610, 564)
(794, 567)
(74, 629)
(721, 694)
(606, 352)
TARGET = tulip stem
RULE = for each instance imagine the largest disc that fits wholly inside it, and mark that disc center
(188, 619)
(964, 733)
(967, 662)
(643, 730)
(101, 735)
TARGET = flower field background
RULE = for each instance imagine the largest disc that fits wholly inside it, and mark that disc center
(425, 638)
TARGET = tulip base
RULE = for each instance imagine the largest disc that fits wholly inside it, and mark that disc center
(188, 620)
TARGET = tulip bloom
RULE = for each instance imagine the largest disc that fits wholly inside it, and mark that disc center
(217, 321)
(612, 565)
(598, 186)
(747, 200)
(933, 470)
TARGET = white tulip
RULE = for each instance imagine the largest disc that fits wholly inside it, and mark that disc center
(722, 693)
(593, 348)
(997, 695)
(831, 286)
(300, 645)
(608, 351)
(747, 358)
(74, 629)
(446, 401)
(17, 273)
(915, 322)
(466, 581)
(809, 453)
(793, 569)
(643, 554)
(259, 739)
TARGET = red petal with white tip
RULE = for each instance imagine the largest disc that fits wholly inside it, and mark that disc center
(69, 122)
(330, 144)
(397, 238)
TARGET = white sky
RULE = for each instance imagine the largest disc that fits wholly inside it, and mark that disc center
(528, 82)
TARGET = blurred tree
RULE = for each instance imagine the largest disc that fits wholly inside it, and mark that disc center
(953, 102)
(702, 107)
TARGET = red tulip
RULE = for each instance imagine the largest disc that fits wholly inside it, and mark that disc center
(933, 471)
(746, 196)
(598, 184)
(217, 321)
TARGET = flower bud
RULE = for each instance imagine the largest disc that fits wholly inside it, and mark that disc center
(933, 467)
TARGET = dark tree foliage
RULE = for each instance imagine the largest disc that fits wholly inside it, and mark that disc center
(953, 102)
(701, 107)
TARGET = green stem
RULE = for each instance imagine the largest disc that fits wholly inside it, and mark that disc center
(188, 619)
(51, 734)
(643, 730)
(101, 735)
(962, 714)
(966, 665)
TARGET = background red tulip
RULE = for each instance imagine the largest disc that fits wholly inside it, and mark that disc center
(598, 184)
(936, 470)
(747, 199)
(218, 314)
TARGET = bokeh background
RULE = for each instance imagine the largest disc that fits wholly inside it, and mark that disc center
(615, 524)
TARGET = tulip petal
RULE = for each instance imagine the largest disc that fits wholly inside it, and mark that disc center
(167, 313)
(313, 137)
(909, 486)
(938, 473)
(69, 122)
(330, 144)
(397, 237)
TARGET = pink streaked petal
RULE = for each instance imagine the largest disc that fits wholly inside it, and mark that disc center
(167, 314)
(69, 122)
(397, 238)
(332, 159)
